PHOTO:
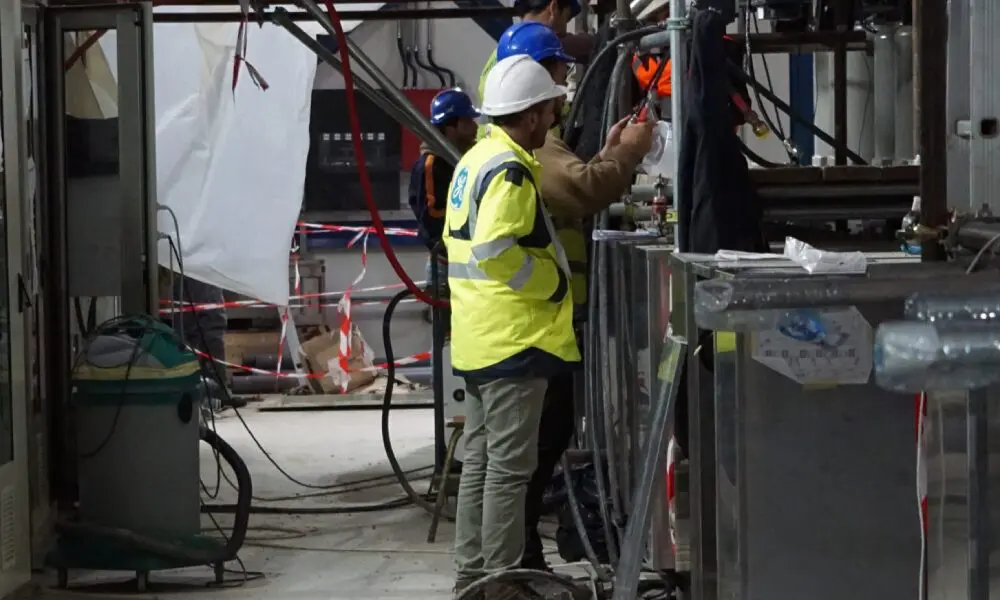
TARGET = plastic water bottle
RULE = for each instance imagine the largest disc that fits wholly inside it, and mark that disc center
(910, 222)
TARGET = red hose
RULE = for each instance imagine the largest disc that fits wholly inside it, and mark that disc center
(359, 154)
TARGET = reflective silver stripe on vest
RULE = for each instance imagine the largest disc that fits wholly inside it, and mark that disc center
(523, 275)
(493, 248)
(471, 271)
(467, 271)
(476, 195)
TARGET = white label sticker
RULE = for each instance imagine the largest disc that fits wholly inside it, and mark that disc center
(818, 347)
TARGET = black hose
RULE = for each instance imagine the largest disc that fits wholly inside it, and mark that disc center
(777, 128)
(402, 57)
(737, 71)
(390, 359)
(757, 158)
(452, 80)
(174, 551)
(581, 529)
(425, 66)
(605, 52)
(346, 509)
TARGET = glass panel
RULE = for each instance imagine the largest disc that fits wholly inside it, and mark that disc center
(6, 404)
(93, 204)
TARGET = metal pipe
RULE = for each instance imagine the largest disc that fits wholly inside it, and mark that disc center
(841, 16)
(654, 41)
(624, 16)
(931, 117)
(718, 296)
(884, 82)
(678, 56)
(281, 17)
(916, 357)
(350, 15)
(654, 455)
(903, 134)
(975, 235)
(983, 305)
(448, 151)
(637, 6)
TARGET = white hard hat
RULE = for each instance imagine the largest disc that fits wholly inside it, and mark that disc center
(515, 84)
(651, 8)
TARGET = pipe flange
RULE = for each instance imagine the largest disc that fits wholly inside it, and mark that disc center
(623, 23)
(678, 24)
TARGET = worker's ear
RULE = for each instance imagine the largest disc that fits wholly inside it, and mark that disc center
(552, 10)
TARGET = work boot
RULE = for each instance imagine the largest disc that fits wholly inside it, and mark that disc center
(534, 552)
(535, 562)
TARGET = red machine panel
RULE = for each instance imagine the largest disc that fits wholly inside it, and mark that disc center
(410, 144)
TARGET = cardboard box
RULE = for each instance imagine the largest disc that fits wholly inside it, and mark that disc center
(239, 344)
(322, 354)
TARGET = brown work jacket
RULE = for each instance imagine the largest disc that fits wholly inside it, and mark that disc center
(574, 189)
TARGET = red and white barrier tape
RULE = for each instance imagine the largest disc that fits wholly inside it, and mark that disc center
(296, 290)
(408, 360)
(359, 229)
(177, 306)
(922, 508)
(342, 373)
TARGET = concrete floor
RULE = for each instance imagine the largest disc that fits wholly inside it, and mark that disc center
(358, 556)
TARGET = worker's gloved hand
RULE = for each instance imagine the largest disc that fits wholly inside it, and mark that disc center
(637, 138)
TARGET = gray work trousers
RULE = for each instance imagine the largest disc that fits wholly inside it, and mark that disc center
(502, 417)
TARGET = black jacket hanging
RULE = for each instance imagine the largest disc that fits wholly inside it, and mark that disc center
(719, 207)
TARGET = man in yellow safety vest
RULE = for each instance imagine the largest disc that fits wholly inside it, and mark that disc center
(512, 313)
(572, 190)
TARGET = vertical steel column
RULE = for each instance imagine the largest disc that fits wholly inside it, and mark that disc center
(884, 83)
(984, 102)
(801, 81)
(904, 135)
(841, 17)
(678, 25)
(931, 17)
(958, 106)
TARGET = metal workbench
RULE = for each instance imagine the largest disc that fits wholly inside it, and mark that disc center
(801, 467)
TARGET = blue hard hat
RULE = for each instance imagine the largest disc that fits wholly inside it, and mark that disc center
(534, 39)
(451, 104)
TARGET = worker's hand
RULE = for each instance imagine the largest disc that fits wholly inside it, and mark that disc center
(638, 137)
(615, 133)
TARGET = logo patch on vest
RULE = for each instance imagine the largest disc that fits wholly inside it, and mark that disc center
(458, 188)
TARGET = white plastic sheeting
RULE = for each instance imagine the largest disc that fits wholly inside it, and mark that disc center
(232, 167)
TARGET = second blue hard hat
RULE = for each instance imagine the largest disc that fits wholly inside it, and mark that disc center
(532, 38)
(451, 104)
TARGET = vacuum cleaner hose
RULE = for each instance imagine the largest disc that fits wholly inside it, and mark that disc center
(174, 551)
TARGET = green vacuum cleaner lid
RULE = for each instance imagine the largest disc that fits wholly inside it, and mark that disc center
(135, 350)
